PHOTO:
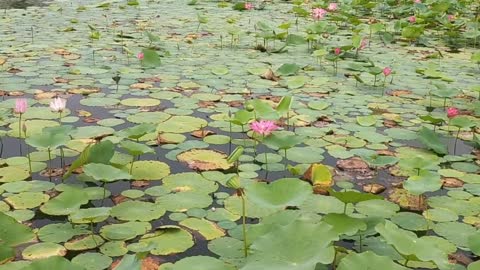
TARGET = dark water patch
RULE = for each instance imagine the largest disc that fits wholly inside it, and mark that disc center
(21, 4)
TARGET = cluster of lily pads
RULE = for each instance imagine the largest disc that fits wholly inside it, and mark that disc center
(152, 134)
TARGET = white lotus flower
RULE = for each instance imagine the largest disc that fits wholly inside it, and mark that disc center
(58, 104)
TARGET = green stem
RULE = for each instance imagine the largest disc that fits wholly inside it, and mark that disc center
(131, 165)
(456, 139)
(244, 227)
(20, 133)
(286, 161)
(360, 243)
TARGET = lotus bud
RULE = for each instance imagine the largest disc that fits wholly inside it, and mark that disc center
(234, 182)
(250, 108)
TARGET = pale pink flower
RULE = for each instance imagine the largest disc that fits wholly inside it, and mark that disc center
(20, 105)
(318, 13)
(387, 71)
(451, 17)
(140, 56)
(452, 112)
(337, 51)
(417, 1)
(58, 104)
(412, 19)
(249, 6)
(263, 127)
(363, 44)
(332, 6)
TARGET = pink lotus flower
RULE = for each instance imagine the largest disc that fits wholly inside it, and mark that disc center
(412, 19)
(20, 105)
(451, 17)
(363, 44)
(263, 127)
(140, 56)
(387, 71)
(452, 112)
(337, 51)
(318, 13)
(58, 104)
(249, 6)
(417, 1)
(332, 6)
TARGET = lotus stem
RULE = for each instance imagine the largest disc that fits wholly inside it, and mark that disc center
(131, 165)
(266, 161)
(1, 148)
(456, 139)
(360, 238)
(20, 133)
(244, 227)
(286, 161)
(50, 164)
(29, 161)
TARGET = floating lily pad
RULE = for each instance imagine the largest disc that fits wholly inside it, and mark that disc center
(125, 231)
(198, 263)
(207, 229)
(137, 211)
(204, 160)
(43, 250)
(92, 261)
(149, 170)
(165, 241)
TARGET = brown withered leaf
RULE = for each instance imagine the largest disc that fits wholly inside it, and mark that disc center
(206, 104)
(269, 75)
(202, 133)
(451, 182)
(373, 188)
(356, 167)
(60, 80)
(117, 199)
(141, 86)
(2, 61)
(390, 123)
(406, 200)
(14, 70)
(399, 92)
(140, 183)
(45, 95)
(52, 172)
(91, 119)
(148, 263)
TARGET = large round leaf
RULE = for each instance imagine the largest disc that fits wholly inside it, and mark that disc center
(137, 211)
(281, 193)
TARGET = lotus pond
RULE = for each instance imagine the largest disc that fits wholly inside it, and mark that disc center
(172, 134)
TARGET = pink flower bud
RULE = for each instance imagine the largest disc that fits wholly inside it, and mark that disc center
(332, 6)
(140, 56)
(318, 13)
(387, 71)
(249, 6)
(20, 105)
(452, 112)
(412, 19)
(337, 51)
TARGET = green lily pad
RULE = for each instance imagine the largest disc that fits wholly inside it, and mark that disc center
(279, 194)
(60, 232)
(364, 261)
(54, 262)
(13, 174)
(92, 261)
(166, 240)
(207, 229)
(43, 250)
(182, 201)
(125, 231)
(189, 181)
(66, 203)
(181, 124)
(84, 242)
(14, 233)
(137, 211)
(27, 200)
(140, 102)
(149, 170)
(198, 263)
(89, 215)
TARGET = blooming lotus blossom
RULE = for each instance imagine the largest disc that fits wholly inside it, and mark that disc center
(263, 127)
(363, 44)
(417, 1)
(387, 71)
(451, 17)
(452, 112)
(20, 105)
(58, 104)
(140, 56)
(332, 6)
(412, 19)
(249, 6)
(318, 13)
(337, 51)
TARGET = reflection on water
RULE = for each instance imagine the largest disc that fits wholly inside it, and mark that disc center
(20, 4)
